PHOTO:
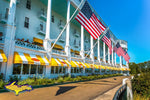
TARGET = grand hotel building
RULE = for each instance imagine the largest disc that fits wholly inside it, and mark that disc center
(26, 24)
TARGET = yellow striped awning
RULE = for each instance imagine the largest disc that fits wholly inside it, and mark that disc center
(30, 59)
(102, 67)
(96, 66)
(37, 40)
(58, 62)
(74, 64)
(87, 65)
(76, 52)
(57, 46)
(2, 56)
(80, 64)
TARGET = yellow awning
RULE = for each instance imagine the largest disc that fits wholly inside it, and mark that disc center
(58, 62)
(88, 65)
(96, 66)
(37, 40)
(72, 50)
(102, 67)
(2, 56)
(30, 59)
(74, 64)
(56, 46)
(76, 52)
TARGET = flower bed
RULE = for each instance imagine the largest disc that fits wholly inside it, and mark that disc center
(45, 81)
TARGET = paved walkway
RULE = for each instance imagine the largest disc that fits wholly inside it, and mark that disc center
(76, 91)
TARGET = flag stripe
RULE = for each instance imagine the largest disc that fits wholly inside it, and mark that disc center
(86, 27)
(89, 23)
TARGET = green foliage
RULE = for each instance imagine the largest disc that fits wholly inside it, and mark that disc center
(14, 78)
(45, 81)
(140, 84)
(60, 80)
(2, 83)
(137, 96)
(1, 76)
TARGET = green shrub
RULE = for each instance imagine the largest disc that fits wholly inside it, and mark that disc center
(14, 78)
(60, 80)
(78, 78)
(84, 77)
(66, 79)
(29, 81)
(1, 76)
(2, 83)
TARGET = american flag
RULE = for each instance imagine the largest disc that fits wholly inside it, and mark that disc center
(89, 21)
(107, 40)
(126, 56)
(118, 49)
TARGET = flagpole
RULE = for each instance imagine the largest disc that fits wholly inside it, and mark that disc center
(97, 41)
(66, 25)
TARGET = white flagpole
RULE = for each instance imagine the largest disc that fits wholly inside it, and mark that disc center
(66, 25)
(97, 41)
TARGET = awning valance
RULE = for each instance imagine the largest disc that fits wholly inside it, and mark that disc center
(30, 59)
(59, 62)
(74, 64)
(37, 40)
(56, 46)
(2, 56)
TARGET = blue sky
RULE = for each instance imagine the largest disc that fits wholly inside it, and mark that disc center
(130, 21)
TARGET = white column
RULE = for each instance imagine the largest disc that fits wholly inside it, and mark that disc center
(92, 52)
(47, 42)
(108, 56)
(82, 42)
(67, 47)
(104, 58)
(48, 22)
(9, 44)
(112, 54)
(98, 50)
(115, 59)
(120, 61)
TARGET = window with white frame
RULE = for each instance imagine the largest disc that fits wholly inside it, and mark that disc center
(26, 69)
(58, 70)
(28, 4)
(26, 23)
(52, 18)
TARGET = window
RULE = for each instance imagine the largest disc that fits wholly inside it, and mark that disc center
(64, 70)
(33, 69)
(75, 31)
(75, 42)
(52, 19)
(43, 11)
(79, 43)
(41, 69)
(72, 70)
(60, 22)
(0, 66)
(52, 70)
(17, 69)
(56, 70)
(26, 23)
(7, 12)
(28, 4)
(25, 69)
(41, 26)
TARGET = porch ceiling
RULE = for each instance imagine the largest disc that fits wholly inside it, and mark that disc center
(60, 7)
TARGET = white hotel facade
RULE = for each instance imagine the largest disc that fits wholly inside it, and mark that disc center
(25, 24)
